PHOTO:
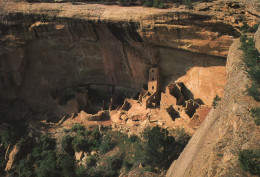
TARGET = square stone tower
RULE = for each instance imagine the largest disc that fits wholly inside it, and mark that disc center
(154, 80)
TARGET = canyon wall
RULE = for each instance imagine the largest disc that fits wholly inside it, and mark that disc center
(49, 47)
(214, 149)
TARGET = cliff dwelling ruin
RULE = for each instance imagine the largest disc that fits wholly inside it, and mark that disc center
(119, 89)
(173, 106)
(127, 71)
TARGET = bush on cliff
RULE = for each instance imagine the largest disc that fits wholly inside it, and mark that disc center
(252, 62)
(255, 112)
(215, 102)
(250, 161)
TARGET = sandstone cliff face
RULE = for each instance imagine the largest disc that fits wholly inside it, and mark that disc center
(213, 150)
(205, 83)
(48, 47)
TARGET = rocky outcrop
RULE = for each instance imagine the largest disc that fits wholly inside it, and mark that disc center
(15, 150)
(213, 150)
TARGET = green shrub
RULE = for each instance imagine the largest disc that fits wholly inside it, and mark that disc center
(95, 172)
(255, 112)
(155, 3)
(159, 3)
(188, 3)
(66, 166)
(243, 38)
(65, 130)
(253, 91)
(112, 173)
(251, 58)
(148, 3)
(106, 144)
(2, 160)
(250, 161)
(113, 164)
(139, 153)
(25, 169)
(159, 148)
(182, 137)
(254, 73)
(46, 143)
(254, 28)
(66, 144)
(216, 101)
(91, 161)
(126, 2)
(246, 28)
(147, 168)
(47, 166)
(78, 128)
(95, 133)
(81, 172)
(26, 146)
(252, 62)
(11, 134)
(2, 164)
(127, 165)
(251, 54)
(133, 138)
(80, 143)
(94, 139)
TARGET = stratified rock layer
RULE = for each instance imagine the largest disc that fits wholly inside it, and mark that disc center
(50, 47)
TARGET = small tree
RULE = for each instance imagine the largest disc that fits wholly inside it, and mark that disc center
(80, 143)
(216, 101)
(159, 147)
